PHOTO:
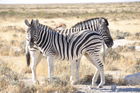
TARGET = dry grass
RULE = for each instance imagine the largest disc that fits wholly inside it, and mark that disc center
(10, 82)
(124, 20)
(121, 57)
(69, 10)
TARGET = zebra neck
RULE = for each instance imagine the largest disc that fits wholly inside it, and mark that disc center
(102, 35)
(45, 36)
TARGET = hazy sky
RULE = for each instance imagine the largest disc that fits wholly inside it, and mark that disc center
(58, 1)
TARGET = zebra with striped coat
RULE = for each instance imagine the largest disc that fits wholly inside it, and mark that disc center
(68, 47)
(93, 24)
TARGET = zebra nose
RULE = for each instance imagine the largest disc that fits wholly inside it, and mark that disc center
(109, 43)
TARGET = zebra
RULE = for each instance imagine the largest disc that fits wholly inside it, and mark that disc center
(68, 47)
(91, 24)
(36, 56)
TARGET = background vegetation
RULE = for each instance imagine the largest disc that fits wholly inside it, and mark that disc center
(124, 22)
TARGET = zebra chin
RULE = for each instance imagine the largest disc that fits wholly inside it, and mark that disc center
(109, 43)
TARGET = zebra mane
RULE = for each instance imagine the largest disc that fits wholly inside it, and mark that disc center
(40, 25)
(85, 21)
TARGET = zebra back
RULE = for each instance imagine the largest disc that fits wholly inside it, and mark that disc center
(92, 24)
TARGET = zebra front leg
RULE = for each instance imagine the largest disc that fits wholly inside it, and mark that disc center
(50, 61)
(75, 64)
(77, 69)
(36, 58)
(95, 77)
(99, 66)
(102, 79)
(95, 60)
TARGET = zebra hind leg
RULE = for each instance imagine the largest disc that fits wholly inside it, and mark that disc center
(95, 60)
(35, 57)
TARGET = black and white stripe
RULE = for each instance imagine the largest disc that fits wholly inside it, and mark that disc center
(64, 46)
(68, 47)
(94, 24)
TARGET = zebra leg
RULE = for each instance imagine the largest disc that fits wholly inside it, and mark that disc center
(104, 52)
(95, 60)
(102, 79)
(35, 57)
(75, 64)
(77, 69)
(50, 61)
(95, 77)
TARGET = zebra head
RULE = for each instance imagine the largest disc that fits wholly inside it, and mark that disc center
(104, 31)
(31, 31)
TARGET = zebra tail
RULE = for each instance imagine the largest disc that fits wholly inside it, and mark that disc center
(27, 56)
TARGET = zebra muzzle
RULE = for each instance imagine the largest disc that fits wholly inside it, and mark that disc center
(109, 43)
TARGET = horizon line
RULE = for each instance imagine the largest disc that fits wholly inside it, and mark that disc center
(71, 2)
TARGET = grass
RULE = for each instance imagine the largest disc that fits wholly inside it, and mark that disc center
(123, 17)
(10, 81)
(70, 10)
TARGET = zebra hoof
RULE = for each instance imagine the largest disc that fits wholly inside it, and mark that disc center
(94, 84)
(36, 82)
(74, 82)
(99, 86)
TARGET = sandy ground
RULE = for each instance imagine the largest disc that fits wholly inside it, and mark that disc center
(123, 42)
(108, 89)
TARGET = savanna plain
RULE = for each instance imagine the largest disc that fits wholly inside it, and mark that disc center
(121, 60)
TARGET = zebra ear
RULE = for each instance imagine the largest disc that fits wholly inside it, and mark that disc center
(106, 21)
(32, 22)
(27, 23)
(37, 21)
(103, 21)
